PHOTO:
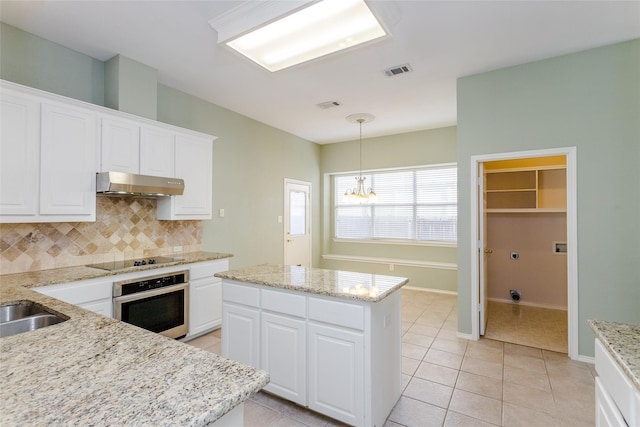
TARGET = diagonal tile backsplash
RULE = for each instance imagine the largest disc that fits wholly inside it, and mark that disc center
(125, 228)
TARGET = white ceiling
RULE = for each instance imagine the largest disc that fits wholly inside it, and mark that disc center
(441, 40)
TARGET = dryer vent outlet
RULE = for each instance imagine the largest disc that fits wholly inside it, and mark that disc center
(515, 295)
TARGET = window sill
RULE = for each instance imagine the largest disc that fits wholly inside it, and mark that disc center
(398, 242)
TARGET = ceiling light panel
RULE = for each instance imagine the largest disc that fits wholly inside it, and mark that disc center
(324, 27)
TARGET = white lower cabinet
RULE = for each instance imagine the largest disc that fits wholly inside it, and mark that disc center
(339, 357)
(336, 372)
(617, 399)
(243, 323)
(205, 309)
(93, 294)
(205, 296)
(607, 413)
(283, 355)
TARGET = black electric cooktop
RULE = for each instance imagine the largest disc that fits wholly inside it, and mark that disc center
(139, 262)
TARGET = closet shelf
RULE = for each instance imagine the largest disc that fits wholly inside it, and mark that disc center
(527, 190)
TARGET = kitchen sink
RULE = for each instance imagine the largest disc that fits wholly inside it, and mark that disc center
(25, 316)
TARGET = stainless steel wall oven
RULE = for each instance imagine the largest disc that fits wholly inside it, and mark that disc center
(157, 303)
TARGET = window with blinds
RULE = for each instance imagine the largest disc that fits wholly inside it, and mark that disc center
(417, 204)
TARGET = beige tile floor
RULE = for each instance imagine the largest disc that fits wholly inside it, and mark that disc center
(530, 326)
(450, 381)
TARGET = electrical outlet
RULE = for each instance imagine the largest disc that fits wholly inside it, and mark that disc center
(177, 249)
(392, 267)
(221, 213)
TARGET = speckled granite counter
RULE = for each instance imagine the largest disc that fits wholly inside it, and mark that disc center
(335, 283)
(623, 343)
(34, 279)
(92, 370)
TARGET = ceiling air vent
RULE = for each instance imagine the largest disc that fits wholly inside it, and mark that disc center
(329, 104)
(398, 69)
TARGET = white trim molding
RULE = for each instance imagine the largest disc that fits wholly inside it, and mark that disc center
(572, 237)
(529, 304)
(394, 261)
(435, 291)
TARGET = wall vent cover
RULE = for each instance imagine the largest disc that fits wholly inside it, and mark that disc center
(398, 69)
(329, 104)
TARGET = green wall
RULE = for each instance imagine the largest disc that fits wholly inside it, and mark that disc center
(131, 86)
(401, 150)
(33, 61)
(250, 162)
(251, 159)
(590, 100)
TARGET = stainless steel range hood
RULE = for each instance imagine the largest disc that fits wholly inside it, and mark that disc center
(128, 184)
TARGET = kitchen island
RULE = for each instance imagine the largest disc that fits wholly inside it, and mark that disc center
(617, 354)
(94, 370)
(330, 340)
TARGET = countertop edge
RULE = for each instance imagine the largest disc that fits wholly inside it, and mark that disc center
(20, 286)
(613, 349)
(263, 275)
(35, 279)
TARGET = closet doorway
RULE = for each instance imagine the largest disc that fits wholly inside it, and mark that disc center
(525, 264)
(526, 236)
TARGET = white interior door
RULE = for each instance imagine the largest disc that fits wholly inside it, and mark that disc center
(483, 251)
(297, 223)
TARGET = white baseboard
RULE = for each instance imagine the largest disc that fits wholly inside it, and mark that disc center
(437, 291)
(587, 359)
(529, 304)
(465, 336)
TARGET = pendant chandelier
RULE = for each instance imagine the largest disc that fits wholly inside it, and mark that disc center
(359, 194)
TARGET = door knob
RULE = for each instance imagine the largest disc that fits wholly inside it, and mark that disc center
(289, 240)
(488, 251)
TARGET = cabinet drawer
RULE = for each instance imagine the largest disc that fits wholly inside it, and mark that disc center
(607, 413)
(284, 303)
(240, 294)
(615, 381)
(79, 292)
(207, 269)
(337, 313)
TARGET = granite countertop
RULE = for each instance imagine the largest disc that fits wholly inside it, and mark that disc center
(93, 370)
(335, 283)
(622, 340)
(34, 279)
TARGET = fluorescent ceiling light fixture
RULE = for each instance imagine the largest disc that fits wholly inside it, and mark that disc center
(324, 27)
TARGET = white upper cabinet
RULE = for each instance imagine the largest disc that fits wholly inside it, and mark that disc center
(156, 152)
(120, 146)
(194, 164)
(67, 163)
(51, 148)
(19, 154)
(48, 158)
(128, 146)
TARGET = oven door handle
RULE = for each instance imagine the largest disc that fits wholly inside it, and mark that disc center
(151, 293)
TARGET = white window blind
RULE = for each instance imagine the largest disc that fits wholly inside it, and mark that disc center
(413, 204)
